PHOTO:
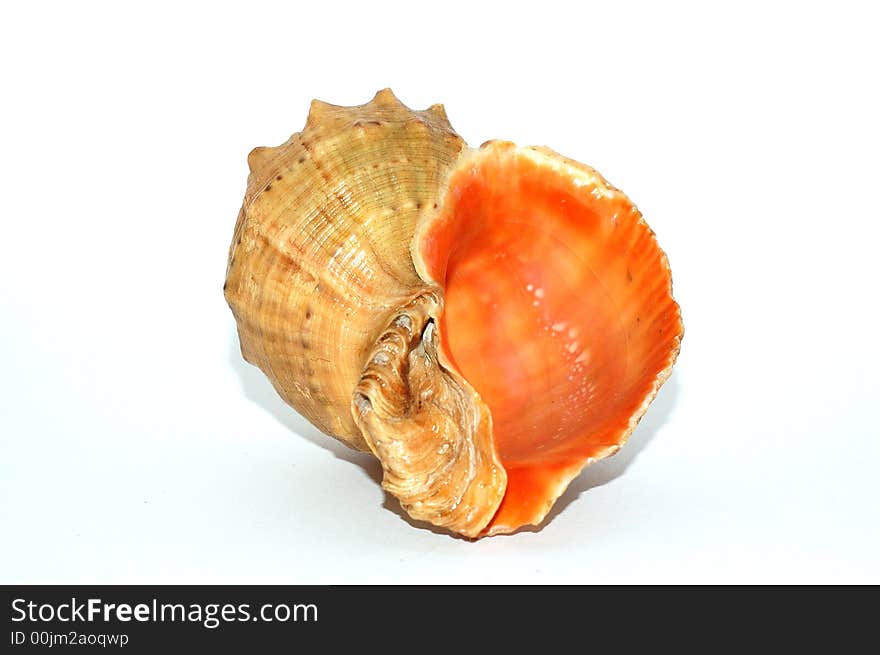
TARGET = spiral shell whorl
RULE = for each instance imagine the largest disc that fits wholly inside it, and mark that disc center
(320, 254)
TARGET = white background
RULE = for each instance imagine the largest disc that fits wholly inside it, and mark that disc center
(137, 446)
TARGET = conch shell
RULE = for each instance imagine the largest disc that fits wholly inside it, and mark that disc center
(485, 321)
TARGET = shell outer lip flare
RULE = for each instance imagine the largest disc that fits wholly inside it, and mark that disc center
(486, 322)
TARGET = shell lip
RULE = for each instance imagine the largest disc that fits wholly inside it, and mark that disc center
(535, 483)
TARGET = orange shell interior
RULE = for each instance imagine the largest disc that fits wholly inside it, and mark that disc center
(558, 311)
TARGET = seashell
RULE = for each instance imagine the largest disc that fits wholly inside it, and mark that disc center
(486, 322)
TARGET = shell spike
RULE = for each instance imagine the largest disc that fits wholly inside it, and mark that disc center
(436, 115)
(386, 97)
(319, 111)
(259, 157)
(438, 111)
